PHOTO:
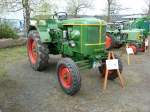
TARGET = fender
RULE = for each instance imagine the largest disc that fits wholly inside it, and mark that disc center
(43, 33)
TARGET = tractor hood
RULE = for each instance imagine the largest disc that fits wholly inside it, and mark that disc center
(83, 21)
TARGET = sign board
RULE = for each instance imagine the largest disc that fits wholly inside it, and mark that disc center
(146, 42)
(112, 64)
(129, 51)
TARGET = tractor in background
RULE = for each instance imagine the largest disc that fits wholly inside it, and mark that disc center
(142, 23)
(115, 38)
(80, 41)
(133, 33)
(137, 30)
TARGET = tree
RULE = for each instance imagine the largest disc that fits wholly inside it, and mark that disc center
(147, 8)
(76, 6)
(26, 8)
(2, 6)
(112, 8)
(17, 5)
(45, 8)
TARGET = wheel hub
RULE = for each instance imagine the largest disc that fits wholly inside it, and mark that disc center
(108, 42)
(32, 51)
(65, 76)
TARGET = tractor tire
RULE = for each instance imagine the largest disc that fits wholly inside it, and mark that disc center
(117, 45)
(142, 48)
(112, 74)
(68, 76)
(38, 52)
(108, 42)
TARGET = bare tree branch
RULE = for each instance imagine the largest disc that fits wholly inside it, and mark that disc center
(112, 8)
(147, 8)
(75, 6)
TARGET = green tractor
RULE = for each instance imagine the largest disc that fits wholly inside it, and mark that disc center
(140, 31)
(135, 39)
(142, 23)
(128, 33)
(137, 33)
(115, 38)
(80, 41)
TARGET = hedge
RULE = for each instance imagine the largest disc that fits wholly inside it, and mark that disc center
(7, 32)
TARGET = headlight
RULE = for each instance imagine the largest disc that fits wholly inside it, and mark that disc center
(72, 43)
(48, 30)
(64, 34)
(33, 22)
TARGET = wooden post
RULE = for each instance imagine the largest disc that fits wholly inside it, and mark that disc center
(106, 73)
(128, 59)
(128, 56)
(111, 54)
(129, 52)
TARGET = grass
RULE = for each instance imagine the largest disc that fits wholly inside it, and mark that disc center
(3, 72)
(12, 54)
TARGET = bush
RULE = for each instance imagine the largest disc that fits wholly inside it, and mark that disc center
(7, 32)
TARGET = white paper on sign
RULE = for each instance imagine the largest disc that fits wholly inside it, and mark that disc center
(146, 42)
(129, 51)
(112, 64)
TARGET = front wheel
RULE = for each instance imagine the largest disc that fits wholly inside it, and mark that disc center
(112, 74)
(68, 76)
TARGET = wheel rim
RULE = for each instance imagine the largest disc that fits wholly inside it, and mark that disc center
(142, 49)
(108, 42)
(32, 50)
(65, 76)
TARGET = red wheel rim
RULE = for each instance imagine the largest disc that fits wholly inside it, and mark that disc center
(142, 49)
(133, 47)
(108, 42)
(65, 76)
(32, 50)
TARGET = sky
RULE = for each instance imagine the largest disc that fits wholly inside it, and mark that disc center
(134, 7)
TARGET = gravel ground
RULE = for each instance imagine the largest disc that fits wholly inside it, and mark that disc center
(24, 90)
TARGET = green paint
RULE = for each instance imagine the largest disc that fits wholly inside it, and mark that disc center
(88, 35)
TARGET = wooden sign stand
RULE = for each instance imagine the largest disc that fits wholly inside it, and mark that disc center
(111, 54)
(130, 52)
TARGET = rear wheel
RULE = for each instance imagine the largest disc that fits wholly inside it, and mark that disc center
(112, 74)
(108, 42)
(68, 76)
(37, 51)
(142, 48)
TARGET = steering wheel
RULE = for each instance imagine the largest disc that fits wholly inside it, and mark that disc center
(60, 15)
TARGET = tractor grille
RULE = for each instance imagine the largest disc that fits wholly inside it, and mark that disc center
(93, 35)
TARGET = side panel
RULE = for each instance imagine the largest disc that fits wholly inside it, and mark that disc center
(90, 42)
(44, 36)
(93, 39)
(43, 27)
